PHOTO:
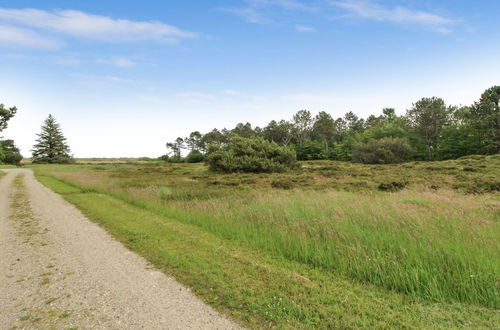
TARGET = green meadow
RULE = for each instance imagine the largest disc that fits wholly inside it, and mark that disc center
(329, 245)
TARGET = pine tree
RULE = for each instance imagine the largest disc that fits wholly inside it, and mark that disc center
(51, 146)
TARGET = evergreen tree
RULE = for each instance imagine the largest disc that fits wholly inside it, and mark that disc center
(51, 146)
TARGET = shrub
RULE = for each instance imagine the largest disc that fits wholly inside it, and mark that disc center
(194, 157)
(383, 151)
(255, 155)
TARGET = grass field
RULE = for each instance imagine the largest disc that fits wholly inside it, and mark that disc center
(330, 245)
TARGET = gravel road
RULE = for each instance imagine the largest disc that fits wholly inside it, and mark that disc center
(58, 270)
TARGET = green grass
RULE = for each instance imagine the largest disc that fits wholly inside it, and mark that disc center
(312, 256)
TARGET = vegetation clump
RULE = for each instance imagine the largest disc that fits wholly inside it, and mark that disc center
(383, 151)
(250, 155)
(392, 186)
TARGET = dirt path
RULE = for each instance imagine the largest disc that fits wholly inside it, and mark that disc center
(58, 270)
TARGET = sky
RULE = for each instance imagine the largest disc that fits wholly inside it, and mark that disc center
(125, 77)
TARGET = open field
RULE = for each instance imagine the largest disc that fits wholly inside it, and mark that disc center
(333, 244)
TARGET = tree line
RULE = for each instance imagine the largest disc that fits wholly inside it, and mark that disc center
(429, 130)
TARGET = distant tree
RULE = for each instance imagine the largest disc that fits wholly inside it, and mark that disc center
(193, 141)
(5, 115)
(485, 118)
(324, 129)
(303, 123)
(280, 132)
(51, 146)
(244, 130)
(9, 153)
(214, 137)
(389, 115)
(353, 122)
(428, 116)
(340, 129)
(175, 149)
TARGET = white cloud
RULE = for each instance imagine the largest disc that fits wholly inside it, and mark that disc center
(255, 10)
(304, 28)
(95, 27)
(399, 15)
(251, 15)
(19, 37)
(118, 61)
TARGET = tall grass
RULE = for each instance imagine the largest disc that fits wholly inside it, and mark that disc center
(442, 247)
(439, 245)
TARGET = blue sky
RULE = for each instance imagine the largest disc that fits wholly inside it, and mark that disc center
(124, 77)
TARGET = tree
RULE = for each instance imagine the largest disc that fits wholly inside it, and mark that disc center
(193, 142)
(354, 123)
(176, 149)
(427, 117)
(340, 129)
(9, 153)
(51, 146)
(280, 132)
(5, 115)
(324, 128)
(303, 122)
(485, 117)
(244, 130)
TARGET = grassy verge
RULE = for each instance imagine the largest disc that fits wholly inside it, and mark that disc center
(261, 286)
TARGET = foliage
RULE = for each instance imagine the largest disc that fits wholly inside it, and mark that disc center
(311, 150)
(194, 157)
(51, 146)
(383, 151)
(9, 153)
(250, 155)
(5, 115)
(457, 141)
(485, 118)
(432, 129)
(427, 117)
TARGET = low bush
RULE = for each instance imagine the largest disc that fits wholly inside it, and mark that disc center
(251, 155)
(194, 157)
(383, 151)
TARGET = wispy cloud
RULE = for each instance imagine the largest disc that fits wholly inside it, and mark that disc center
(304, 28)
(19, 37)
(255, 11)
(79, 24)
(118, 61)
(400, 15)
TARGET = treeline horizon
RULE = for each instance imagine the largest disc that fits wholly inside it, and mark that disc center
(429, 130)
